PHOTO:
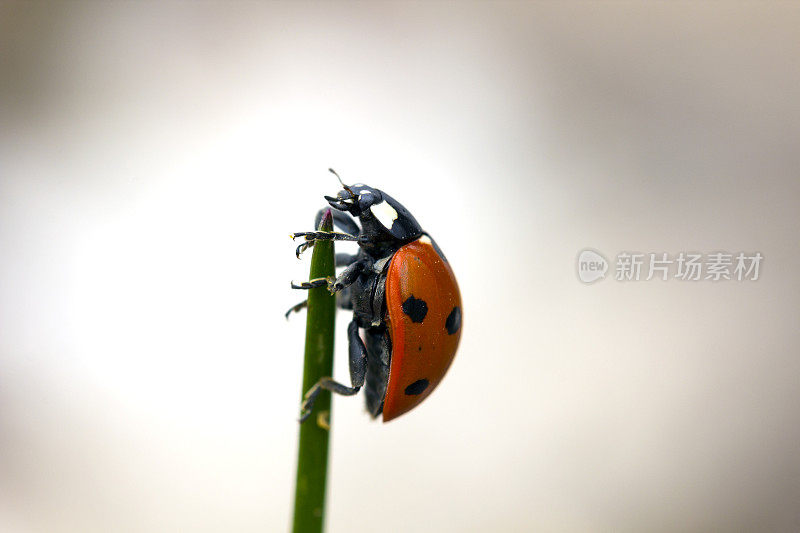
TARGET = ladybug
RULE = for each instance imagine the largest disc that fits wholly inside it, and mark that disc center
(404, 297)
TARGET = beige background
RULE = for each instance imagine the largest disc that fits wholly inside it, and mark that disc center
(154, 158)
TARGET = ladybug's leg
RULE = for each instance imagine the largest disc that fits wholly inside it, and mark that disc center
(343, 221)
(296, 308)
(357, 354)
(341, 260)
(324, 383)
(348, 276)
(342, 302)
(313, 283)
(312, 236)
(358, 371)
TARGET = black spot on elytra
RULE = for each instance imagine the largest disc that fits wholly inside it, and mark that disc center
(415, 309)
(418, 387)
(453, 321)
(419, 349)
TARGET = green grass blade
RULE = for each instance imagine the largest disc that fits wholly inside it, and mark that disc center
(312, 463)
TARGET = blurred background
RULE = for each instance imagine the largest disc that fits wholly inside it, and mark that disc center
(154, 158)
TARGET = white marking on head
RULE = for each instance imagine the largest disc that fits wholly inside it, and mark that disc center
(365, 192)
(425, 239)
(385, 214)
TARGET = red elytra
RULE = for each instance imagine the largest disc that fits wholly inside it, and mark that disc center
(423, 306)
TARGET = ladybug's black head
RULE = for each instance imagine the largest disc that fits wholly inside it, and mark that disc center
(355, 199)
(381, 215)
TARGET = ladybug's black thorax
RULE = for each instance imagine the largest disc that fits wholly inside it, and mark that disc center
(376, 241)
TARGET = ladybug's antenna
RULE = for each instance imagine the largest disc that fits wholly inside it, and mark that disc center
(340, 181)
